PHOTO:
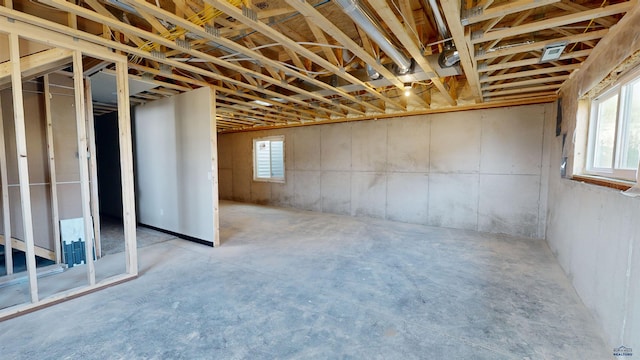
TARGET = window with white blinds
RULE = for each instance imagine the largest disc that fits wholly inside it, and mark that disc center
(268, 159)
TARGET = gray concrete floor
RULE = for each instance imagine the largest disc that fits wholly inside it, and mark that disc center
(291, 284)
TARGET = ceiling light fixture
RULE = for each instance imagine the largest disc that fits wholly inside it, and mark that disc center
(553, 51)
(407, 90)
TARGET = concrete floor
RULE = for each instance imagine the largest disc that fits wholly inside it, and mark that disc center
(301, 285)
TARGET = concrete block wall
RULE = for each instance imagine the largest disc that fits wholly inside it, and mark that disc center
(479, 170)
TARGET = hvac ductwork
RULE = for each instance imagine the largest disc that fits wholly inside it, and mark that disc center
(449, 56)
(359, 14)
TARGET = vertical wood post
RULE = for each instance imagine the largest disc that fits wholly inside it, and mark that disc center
(6, 209)
(55, 217)
(78, 87)
(23, 165)
(126, 169)
(93, 167)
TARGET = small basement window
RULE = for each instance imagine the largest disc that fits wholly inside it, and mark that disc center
(614, 130)
(268, 159)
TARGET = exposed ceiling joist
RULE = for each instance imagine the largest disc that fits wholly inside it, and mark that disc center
(479, 14)
(384, 11)
(451, 10)
(553, 22)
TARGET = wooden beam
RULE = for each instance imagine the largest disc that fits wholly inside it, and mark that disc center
(532, 61)
(33, 64)
(321, 38)
(573, 7)
(541, 44)
(17, 310)
(388, 16)
(477, 15)
(524, 90)
(23, 165)
(126, 169)
(554, 22)
(57, 35)
(451, 10)
(520, 74)
(546, 96)
(83, 167)
(313, 16)
(104, 12)
(226, 91)
(542, 80)
(20, 245)
(517, 21)
(287, 42)
(53, 180)
(6, 206)
(93, 166)
(201, 55)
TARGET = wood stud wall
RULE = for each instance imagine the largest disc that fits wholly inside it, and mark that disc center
(88, 179)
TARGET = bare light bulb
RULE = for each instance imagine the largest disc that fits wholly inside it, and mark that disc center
(407, 90)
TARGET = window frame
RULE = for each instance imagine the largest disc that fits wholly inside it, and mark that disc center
(620, 89)
(255, 160)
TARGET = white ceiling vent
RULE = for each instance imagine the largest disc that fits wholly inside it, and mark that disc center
(552, 51)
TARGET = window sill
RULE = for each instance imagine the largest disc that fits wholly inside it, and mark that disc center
(603, 181)
(276, 181)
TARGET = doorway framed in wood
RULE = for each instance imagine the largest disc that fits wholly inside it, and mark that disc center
(17, 68)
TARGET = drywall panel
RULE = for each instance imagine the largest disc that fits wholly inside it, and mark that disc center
(336, 192)
(40, 213)
(173, 164)
(455, 142)
(65, 147)
(368, 194)
(512, 140)
(408, 144)
(369, 146)
(336, 146)
(35, 134)
(69, 205)
(509, 204)
(407, 197)
(453, 200)
(156, 142)
(307, 190)
(63, 121)
(306, 149)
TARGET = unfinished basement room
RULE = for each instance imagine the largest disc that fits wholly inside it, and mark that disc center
(320, 179)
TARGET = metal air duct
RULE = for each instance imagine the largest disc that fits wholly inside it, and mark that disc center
(358, 13)
(449, 56)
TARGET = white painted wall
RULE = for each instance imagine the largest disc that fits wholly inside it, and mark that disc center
(594, 231)
(480, 170)
(174, 171)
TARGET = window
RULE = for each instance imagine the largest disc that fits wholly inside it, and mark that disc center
(268, 159)
(614, 130)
